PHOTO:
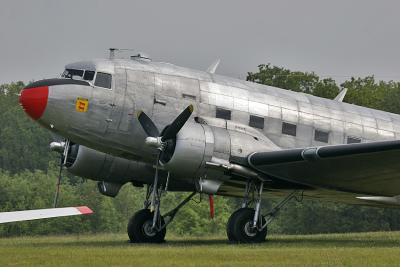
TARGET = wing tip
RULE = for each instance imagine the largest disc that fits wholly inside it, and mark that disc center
(84, 210)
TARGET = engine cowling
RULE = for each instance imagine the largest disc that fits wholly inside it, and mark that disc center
(199, 143)
(89, 163)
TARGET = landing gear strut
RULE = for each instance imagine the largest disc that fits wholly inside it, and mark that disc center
(248, 225)
(148, 225)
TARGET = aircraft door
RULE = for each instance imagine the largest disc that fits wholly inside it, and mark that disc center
(117, 102)
(100, 108)
(106, 105)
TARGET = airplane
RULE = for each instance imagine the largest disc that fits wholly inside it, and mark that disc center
(171, 128)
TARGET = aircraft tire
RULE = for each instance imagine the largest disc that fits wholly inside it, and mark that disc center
(139, 228)
(229, 227)
(241, 227)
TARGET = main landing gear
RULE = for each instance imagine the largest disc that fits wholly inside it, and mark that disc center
(248, 225)
(245, 225)
(148, 225)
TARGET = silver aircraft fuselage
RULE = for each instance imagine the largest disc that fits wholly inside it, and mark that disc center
(108, 121)
(162, 90)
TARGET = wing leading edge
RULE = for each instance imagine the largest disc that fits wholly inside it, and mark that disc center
(366, 168)
(27, 215)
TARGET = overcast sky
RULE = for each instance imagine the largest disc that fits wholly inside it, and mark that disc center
(335, 38)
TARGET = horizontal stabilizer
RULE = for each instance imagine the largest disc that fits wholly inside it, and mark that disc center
(27, 215)
(213, 67)
(341, 95)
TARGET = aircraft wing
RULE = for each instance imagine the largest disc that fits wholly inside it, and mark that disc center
(365, 168)
(27, 215)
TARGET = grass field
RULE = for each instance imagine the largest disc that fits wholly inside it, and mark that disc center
(365, 249)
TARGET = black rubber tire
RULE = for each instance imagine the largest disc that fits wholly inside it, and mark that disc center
(239, 220)
(229, 227)
(136, 231)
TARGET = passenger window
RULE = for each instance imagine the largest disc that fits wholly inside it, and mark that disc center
(256, 122)
(353, 140)
(321, 136)
(103, 80)
(223, 114)
(289, 129)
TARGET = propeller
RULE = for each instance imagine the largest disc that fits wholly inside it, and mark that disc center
(158, 140)
(162, 141)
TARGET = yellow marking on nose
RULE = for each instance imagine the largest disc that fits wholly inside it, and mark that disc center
(81, 104)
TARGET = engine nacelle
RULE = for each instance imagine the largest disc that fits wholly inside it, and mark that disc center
(199, 143)
(89, 163)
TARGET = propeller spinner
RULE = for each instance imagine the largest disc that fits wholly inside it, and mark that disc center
(157, 140)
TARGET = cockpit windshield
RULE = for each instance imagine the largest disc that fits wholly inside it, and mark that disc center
(75, 74)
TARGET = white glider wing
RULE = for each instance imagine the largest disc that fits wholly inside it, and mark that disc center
(27, 215)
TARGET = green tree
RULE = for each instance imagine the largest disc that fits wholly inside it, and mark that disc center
(297, 81)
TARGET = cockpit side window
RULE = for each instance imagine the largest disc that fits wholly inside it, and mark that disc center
(103, 80)
(75, 74)
(72, 74)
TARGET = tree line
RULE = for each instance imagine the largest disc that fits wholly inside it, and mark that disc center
(28, 172)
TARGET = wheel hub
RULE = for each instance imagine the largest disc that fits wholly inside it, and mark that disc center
(148, 228)
(249, 229)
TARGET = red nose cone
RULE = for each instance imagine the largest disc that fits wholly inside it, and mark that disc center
(34, 101)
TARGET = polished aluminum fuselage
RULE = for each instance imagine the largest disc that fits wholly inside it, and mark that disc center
(162, 90)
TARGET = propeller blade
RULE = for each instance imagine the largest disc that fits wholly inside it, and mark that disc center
(177, 124)
(148, 125)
